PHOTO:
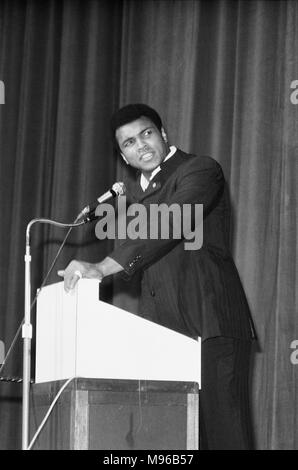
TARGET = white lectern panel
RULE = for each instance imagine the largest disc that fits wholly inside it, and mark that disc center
(78, 335)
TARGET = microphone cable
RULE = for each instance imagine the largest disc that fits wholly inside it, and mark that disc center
(41, 426)
(76, 223)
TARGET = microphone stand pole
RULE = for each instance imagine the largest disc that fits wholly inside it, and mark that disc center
(27, 336)
(27, 328)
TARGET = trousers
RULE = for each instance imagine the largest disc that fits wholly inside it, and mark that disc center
(225, 419)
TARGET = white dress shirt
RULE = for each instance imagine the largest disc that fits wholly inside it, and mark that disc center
(144, 182)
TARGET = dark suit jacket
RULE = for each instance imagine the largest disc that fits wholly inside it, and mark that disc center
(194, 292)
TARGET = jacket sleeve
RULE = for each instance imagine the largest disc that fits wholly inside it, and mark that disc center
(199, 181)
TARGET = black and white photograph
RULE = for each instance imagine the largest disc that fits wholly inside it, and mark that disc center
(148, 238)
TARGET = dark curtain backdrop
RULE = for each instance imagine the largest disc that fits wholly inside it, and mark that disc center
(220, 74)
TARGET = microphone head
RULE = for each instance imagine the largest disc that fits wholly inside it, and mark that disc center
(119, 188)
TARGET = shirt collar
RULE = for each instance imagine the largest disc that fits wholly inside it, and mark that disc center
(143, 180)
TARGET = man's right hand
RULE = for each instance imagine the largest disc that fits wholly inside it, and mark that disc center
(80, 269)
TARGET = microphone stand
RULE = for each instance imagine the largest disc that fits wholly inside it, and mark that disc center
(27, 326)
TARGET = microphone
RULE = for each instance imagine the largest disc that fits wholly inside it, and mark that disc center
(118, 189)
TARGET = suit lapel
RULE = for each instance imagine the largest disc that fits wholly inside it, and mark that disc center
(166, 169)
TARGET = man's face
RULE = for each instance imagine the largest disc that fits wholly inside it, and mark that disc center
(142, 145)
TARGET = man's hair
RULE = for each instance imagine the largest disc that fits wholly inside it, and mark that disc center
(130, 113)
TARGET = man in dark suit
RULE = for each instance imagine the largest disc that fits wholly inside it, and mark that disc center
(196, 292)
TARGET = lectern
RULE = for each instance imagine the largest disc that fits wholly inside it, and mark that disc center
(135, 382)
